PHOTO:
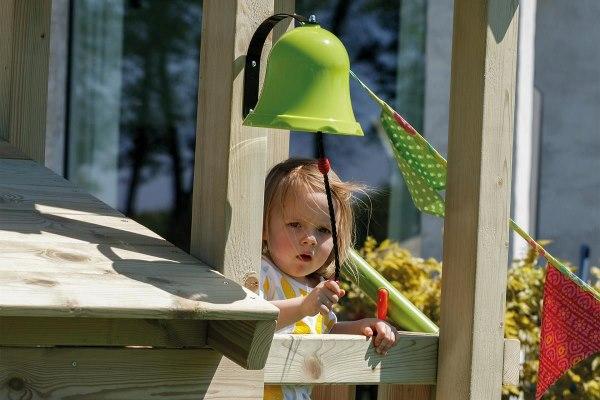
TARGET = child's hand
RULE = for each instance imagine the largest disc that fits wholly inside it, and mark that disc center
(322, 298)
(384, 335)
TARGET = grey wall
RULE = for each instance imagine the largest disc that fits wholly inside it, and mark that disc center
(437, 93)
(567, 73)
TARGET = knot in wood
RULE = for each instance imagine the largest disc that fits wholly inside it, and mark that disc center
(251, 282)
(313, 366)
(16, 384)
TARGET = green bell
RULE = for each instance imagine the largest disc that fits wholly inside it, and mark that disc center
(306, 86)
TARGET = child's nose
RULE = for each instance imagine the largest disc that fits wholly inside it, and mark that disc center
(309, 239)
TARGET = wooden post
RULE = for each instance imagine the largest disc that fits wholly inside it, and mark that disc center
(230, 158)
(24, 54)
(482, 101)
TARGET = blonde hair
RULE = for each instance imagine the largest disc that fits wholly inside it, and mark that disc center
(303, 175)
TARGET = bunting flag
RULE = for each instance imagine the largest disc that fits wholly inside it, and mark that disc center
(571, 308)
(422, 168)
(570, 327)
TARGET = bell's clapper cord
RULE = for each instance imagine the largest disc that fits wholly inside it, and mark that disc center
(252, 65)
(324, 168)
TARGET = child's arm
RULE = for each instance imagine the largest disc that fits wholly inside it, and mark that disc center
(320, 300)
(385, 335)
(290, 311)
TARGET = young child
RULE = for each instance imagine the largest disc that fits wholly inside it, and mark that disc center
(297, 265)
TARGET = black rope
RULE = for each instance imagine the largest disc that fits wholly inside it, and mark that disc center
(323, 161)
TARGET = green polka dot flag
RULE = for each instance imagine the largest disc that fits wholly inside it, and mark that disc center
(423, 168)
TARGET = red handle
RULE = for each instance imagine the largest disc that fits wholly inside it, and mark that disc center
(382, 303)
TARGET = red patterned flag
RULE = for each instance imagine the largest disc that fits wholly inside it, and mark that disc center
(570, 327)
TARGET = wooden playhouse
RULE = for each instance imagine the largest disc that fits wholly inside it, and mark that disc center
(95, 306)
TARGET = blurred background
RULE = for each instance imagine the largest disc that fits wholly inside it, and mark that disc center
(122, 120)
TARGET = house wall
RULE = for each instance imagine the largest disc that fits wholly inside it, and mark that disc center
(568, 78)
(567, 73)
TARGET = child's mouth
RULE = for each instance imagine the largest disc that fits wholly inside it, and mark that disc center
(305, 257)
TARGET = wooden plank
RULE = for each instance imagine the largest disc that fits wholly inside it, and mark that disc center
(7, 150)
(30, 172)
(44, 331)
(408, 392)
(96, 373)
(189, 292)
(51, 199)
(86, 258)
(337, 392)
(350, 359)
(511, 362)
(29, 76)
(477, 200)
(7, 8)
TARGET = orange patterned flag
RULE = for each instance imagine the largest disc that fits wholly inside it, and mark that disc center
(570, 327)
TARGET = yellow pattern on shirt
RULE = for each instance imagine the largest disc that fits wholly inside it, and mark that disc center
(287, 288)
(275, 285)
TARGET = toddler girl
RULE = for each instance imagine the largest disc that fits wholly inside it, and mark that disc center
(297, 265)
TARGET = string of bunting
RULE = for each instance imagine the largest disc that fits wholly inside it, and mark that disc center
(570, 330)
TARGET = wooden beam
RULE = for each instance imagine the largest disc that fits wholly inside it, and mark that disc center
(45, 331)
(7, 10)
(350, 359)
(482, 102)
(97, 373)
(246, 343)
(337, 392)
(408, 392)
(7, 150)
(24, 74)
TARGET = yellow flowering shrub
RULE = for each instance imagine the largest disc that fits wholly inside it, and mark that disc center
(420, 281)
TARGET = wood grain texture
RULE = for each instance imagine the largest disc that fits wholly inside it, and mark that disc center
(337, 392)
(349, 359)
(406, 392)
(512, 366)
(7, 8)
(63, 253)
(477, 200)
(29, 76)
(245, 342)
(29, 172)
(124, 374)
(46, 331)
(7, 150)
(230, 158)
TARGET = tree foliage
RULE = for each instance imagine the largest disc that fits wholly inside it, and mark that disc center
(420, 281)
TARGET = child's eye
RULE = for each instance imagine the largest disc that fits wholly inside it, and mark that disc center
(293, 224)
(324, 230)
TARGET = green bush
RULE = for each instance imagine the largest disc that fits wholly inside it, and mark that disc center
(420, 281)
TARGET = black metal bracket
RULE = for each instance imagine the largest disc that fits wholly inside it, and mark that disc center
(252, 66)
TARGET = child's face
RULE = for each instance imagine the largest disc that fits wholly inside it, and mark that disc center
(298, 234)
